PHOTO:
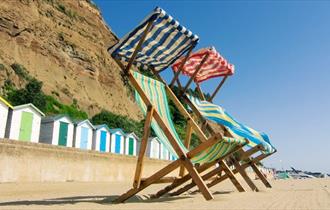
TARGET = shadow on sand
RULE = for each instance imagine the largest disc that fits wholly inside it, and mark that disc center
(106, 200)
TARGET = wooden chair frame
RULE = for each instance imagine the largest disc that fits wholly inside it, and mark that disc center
(184, 158)
(207, 128)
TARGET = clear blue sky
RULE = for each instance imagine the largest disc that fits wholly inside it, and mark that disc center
(281, 51)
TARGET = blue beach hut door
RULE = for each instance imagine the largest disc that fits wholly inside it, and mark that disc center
(84, 138)
(117, 146)
(103, 141)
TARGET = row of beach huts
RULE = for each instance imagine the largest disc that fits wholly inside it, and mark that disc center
(27, 123)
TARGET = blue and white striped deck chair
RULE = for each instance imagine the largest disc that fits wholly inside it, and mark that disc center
(165, 41)
(220, 116)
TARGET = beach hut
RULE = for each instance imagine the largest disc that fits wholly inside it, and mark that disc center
(153, 148)
(4, 109)
(83, 134)
(57, 130)
(101, 138)
(164, 153)
(131, 144)
(24, 123)
(117, 141)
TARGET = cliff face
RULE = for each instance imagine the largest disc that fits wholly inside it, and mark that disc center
(63, 43)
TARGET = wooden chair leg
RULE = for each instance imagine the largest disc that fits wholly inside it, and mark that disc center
(186, 144)
(150, 180)
(231, 176)
(260, 175)
(143, 147)
(245, 176)
(198, 180)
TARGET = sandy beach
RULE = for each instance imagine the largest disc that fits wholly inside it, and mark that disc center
(285, 194)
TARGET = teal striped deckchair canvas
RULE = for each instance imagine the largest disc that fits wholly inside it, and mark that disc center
(218, 115)
(156, 93)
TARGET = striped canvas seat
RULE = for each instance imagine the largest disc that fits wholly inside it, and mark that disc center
(166, 41)
(218, 115)
(156, 93)
(214, 66)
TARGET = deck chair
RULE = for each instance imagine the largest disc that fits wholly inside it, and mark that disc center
(203, 65)
(155, 44)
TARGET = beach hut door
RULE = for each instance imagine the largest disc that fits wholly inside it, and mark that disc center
(26, 126)
(84, 138)
(131, 146)
(117, 146)
(103, 141)
(63, 135)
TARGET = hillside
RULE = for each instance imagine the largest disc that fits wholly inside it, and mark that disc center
(63, 44)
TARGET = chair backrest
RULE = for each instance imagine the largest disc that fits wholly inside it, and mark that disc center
(156, 93)
(214, 66)
(166, 41)
(218, 115)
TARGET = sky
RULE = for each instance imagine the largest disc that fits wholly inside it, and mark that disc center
(281, 53)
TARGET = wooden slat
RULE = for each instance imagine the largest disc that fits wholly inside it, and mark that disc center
(176, 74)
(210, 142)
(138, 47)
(218, 88)
(260, 175)
(248, 153)
(200, 92)
(244, 175)
(143, 147)
(168, 179)
(199, 67)
(231, 176)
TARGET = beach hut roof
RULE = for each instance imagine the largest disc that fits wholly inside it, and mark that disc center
(79, 122)
(6, 102)
(97, 127)
(28, 106)
(154, 137)
(55, 118)
(133, 134)
(114, 130)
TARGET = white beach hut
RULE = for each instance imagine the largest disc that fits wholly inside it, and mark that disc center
(131, 144)
(101, 138)
(153, 148)
(117, 141)
(164, 153)
(4, 109)
(57, 130)
(83, 134)
(24, 123)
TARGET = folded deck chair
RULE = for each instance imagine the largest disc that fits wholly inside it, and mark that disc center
(155, 44)
(203, 65)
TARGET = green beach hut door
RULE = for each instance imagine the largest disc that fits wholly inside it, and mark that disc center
(26, 126)
(131, 146)
(63, 134)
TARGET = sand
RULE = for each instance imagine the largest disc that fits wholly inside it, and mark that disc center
(285, 194)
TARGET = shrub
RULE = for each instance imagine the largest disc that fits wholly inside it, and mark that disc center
(21, 71)
(2, 67)
(118, 121)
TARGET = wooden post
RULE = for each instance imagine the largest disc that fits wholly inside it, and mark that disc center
(144, 35)
(176, 74)
(186, 144)
(199, 67)
(143, 147)
(217, 89)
